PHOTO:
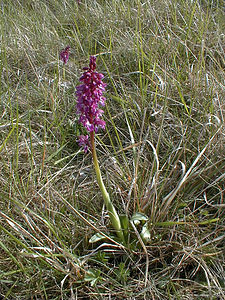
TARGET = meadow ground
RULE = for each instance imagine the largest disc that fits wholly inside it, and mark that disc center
(162, 154)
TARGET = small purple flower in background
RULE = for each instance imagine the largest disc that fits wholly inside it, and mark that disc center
(89, 97)
(64, 54)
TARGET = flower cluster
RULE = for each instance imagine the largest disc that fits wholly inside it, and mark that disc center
(89, 97)
(64, 54)
(84, 142)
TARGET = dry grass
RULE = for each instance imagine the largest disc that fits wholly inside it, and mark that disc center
(162, 153)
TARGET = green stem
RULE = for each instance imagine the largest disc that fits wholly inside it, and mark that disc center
(115, 220)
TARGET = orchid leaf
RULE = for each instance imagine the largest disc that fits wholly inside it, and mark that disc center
(96, 238)
(145, 233)
(138, 217)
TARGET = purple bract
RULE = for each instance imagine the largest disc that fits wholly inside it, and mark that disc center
(64, 54)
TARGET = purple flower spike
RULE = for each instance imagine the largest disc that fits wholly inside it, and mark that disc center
(64, 54)
(89, 97)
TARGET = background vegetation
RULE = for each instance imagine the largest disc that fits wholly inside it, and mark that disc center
(162, 153)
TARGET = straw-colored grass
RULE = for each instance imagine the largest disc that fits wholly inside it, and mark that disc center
(162, 153)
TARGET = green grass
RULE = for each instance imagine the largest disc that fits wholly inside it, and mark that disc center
(162, 153)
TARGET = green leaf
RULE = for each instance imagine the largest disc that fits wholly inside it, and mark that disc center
(5, 141)
(96, 237)
(209, 221)
(138, 217)
(172, 223)
(145, 233)
(92, 276)
(122, 273)
(124, 221)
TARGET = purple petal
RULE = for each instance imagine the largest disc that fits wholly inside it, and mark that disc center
(89, 97)
(83, 141)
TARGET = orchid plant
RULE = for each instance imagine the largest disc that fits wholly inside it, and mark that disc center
(89, 99)
(64, 55)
